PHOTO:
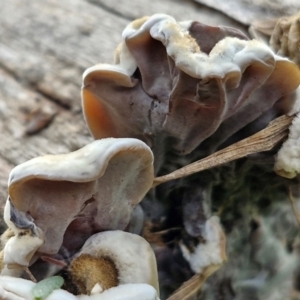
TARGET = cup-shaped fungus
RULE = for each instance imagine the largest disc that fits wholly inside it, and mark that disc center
(173, 85)
(110, 265)
(69, 197)
(113, 258)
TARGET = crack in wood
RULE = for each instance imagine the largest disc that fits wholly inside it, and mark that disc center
(52, 98)
(111, 10)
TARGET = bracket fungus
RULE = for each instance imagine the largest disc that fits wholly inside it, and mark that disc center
(175, 84)
(69, 197)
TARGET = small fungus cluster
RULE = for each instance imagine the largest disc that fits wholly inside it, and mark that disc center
(176, 92)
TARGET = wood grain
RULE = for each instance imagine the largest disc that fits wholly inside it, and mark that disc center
(44, 48)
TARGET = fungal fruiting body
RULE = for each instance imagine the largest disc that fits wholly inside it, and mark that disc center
(67, 198)
(110, 265)
(285, 39)
(19, 242)
(187, 89)
(56, 202)
(177, 89)
(175, 85)
(113, 258)
(93, 274)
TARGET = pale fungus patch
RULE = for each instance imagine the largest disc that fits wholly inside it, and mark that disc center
(208, 254)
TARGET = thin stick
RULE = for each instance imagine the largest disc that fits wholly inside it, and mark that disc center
(264, 140)
(191, 287)
(32, 278)
(51, 260)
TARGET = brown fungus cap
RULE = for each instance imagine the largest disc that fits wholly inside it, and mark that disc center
(175, 84)
(71, 196)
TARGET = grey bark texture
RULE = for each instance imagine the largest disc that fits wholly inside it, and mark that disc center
(44, 48)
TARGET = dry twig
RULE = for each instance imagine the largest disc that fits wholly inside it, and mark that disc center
(30, 275)
(191, 287)
(264, 140)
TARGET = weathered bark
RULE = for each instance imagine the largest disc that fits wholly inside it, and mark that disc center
(44, 48)
(248, 11)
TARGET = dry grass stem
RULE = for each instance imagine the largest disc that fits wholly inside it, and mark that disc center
(191, 287)
(264, 140)
(28, 272)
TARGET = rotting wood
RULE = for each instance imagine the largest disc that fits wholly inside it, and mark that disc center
(44, 48)
(179, 9)
(247, 11)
